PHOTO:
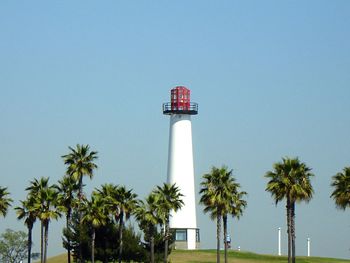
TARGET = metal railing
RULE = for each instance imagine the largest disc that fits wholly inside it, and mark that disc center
(192, 108)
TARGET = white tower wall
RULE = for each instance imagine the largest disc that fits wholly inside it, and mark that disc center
(279, 241)
(181, 172)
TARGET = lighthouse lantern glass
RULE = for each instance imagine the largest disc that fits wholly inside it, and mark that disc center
(180, 98)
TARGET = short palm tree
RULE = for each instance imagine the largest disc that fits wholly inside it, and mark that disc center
(80, 163)
(121, 203)
(109, 192)
(148, 218)
(169, 199)
(341, 185)
(5, 201)
(220, 195)
(27, 212)
(35, 189)
(67, 188)
(127, 203)
(45, 207)
(235, 208)
(290, 180)
(49, 211)
(94, 214)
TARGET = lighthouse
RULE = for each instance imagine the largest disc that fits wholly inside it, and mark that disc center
(180, 166)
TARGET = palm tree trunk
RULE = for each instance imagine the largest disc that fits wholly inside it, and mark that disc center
(68, 236)
(121, 223)
(151, 239)
(46, 235)
(80, 197)
(224, 219)
(166, 243)
(42, 242)
(104, 246)
(93, 245)
(218, 232)
(30, 228)
(289, 230)
(292, 218)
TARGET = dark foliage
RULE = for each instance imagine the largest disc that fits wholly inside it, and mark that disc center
(106, 242)
(74, 233)
(158, 245)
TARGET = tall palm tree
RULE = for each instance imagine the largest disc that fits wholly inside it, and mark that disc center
(217, 195)
(290, 180)
(341, 185)
(80, 163)
(169, 199)
(67, 188)
(5, 201)
(94, 214)
(26, 211)
(148, 218)
(121, 203)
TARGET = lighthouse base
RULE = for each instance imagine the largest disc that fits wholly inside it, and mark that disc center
(186, 238)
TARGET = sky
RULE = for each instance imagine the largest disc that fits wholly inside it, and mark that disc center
(271, 79)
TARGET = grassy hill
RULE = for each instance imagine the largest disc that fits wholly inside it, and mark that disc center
(209, 256)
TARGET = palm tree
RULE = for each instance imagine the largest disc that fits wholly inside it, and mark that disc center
(49, 211)
(45, 207)
(169, 199)
(341, 185)
(109, 192)
(94, 214)
(127, 203)
(218, 192)
(35, 189)
(290, 180)
(5, 201)
(80, 163)
(148, 218)
(235, 203)
(235, 208)
(26, 211)
(121, 203)
(67, 188)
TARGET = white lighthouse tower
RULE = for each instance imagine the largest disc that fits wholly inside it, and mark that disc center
(180, 166)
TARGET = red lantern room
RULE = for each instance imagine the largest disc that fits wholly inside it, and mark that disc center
(180, 102)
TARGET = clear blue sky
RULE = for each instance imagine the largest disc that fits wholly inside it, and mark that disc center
(272, 79)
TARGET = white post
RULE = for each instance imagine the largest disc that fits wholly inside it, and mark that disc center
(279, 241)
(308, 247)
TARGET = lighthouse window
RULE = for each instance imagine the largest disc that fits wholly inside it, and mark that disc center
(197, 236)
(181, 235)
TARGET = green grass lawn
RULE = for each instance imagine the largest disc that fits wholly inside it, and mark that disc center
(209, 256)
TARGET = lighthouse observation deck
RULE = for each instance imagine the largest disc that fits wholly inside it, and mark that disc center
(180, 102)
(191, 109)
